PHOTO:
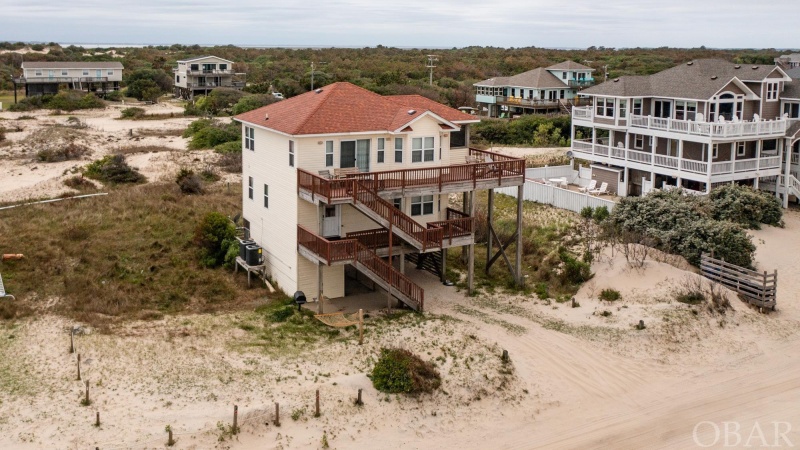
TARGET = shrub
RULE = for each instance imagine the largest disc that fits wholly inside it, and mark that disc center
(400, 371)
(64, 100)
(209, 133)
(113, 169)
(610, 295)
(189, 182)
(746, 206)
(575, 271)
(78, 182)
(114, 96)
(251, 102)
(70, 151)
(213, 236)
(132, 113)
(229, 147)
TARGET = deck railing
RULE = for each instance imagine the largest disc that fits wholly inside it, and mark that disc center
(495, 167)
(354, 252)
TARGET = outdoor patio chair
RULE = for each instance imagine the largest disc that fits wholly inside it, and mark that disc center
(325, 174)
(3, 293)
(602, 190)
(592, 184)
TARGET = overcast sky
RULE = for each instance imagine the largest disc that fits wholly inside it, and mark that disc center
(409, 23)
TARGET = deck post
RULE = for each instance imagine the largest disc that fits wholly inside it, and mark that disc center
(319, 288)
(518, 268)
(489, 214)
(443, 277)
(402, 259)
(471, 262)
(391, 265)
(465, 209)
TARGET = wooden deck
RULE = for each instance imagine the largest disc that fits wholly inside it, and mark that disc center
(759, 289)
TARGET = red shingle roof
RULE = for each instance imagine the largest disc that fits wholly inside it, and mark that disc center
(346, 108)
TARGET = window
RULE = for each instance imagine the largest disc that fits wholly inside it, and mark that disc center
(770, 145)
(715, 151)
(662, 109)
(623, 109)
(513, 92)
(398, 150)
(177, 78)
(685, 110)
(421, 149)
(223, 67)
(421, 206)
(638, 141)
(65, 73)
(249, 138)
(291, 153)
(772, 91)
(740, 149)
(563, 75)
(792, 110)
(561, 94)
(605, 107)
(38, 73)
(86, 73)
(328, 153)
(250, 188)
(398, 203)
(381, 148)
(637, 106)
(110, 72)
(266, 196)
(194, 67)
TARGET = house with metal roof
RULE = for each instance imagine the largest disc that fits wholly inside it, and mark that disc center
(342, 185)
(542, 90)
(199, 75)
(696, 126)
(99, 77)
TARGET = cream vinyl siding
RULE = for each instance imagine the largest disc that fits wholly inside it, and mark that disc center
(275, 228)
(74, 73)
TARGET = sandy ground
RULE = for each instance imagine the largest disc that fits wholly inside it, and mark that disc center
(22, 177)
(579, 378)
(521, 152)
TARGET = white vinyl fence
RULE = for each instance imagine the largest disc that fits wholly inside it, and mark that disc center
(550, 172)
(555, 196)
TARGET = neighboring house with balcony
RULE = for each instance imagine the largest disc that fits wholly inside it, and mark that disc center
(46, 77)
(329, 175)
(696, 125)
(198, 76)
(542, 90)
(790, 61)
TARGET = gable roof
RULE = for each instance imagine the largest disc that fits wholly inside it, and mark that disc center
(793, 73)
(202, 57)
(700, 79)
(72, 65)
(791, 90)
(569, 65)
(537, 78)
(346, 108)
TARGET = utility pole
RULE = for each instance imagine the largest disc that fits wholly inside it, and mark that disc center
(312, 75)
(431, 60)
(605, 69)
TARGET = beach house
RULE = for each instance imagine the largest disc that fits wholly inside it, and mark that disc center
(342, 178)
(98, 77)
(542, 90)
(198, 76)
(697, 125)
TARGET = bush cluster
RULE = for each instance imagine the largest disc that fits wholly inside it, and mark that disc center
(113, 169)
(690, 226)
(532, 130)
(210, 133)
(189, 182)
(400, 371)
(64, 100)
(132, 113)
(65, 153)
(213, 237)
(746, 206)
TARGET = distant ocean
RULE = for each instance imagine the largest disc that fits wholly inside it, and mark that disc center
(101, 45)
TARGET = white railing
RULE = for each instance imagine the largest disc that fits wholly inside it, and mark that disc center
(721, 167)
(618, 152)
(601, 150)
(558, 197)
(666, 161)
(694, 166)
(770, 162)
(795, 158)
(582, 146)
(583, 112)
(715, 129)
(746, 165)
(642, 157)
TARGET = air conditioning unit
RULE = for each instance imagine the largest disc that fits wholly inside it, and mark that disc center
(253, 255)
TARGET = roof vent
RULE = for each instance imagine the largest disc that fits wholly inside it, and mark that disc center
(616, 80)
(318, 90)
(714, 77)
(411, 112)
(266, 116)
(690, 63)
(737, 67)
(755, 67)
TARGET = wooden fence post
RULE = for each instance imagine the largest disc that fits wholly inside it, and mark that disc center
(79, 367)
(277, 415)
(170, 441)
(358, 400)
(316, 412)
(235, 419)
(360, 327)
(86, 400)
(71, 340)
(97, 421)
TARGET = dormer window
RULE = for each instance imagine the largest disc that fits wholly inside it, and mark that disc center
(772, 92)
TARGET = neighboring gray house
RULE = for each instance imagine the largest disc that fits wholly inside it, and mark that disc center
(198, 76)
(90, 76)
(541, 90)
(791, 61)
(697, 125)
